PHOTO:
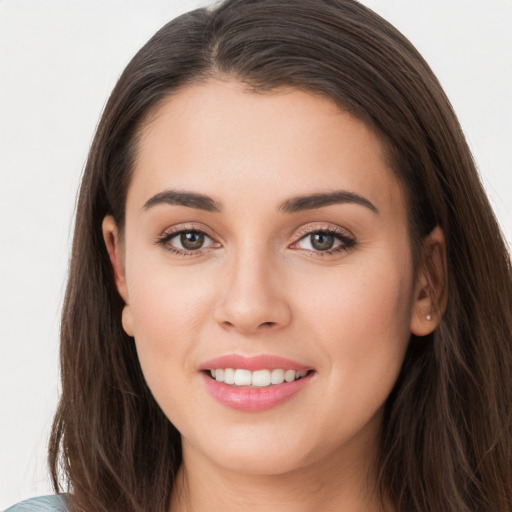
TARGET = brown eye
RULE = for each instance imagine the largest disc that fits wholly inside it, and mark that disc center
(322, 241)
(325, 242)
(192, 240)
(187, 242)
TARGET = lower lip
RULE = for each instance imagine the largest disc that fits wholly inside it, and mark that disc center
(254, 399)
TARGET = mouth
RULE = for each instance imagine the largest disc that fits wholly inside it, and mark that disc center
(240, 377)
(256, 383)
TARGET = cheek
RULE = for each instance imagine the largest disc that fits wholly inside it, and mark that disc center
(168, 309)
(366, 297)
(164, 298)
(360, 323)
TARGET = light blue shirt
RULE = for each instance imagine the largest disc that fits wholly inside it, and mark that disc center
(41, 504)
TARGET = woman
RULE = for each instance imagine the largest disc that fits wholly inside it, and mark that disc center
(287, 286)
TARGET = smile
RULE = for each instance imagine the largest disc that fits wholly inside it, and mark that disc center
(255, 383)
(256, 379)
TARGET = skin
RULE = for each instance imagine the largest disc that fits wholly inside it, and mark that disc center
(259, 286)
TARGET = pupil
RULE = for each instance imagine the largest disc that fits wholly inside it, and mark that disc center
(322, 241)
(192, 240)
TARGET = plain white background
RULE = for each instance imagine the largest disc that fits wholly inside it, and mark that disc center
(59, 59)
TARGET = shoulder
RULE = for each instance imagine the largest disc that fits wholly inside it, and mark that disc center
(42, 504)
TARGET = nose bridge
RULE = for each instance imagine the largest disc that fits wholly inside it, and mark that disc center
(252, 297)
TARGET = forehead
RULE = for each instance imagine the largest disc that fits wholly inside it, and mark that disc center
(223, 140)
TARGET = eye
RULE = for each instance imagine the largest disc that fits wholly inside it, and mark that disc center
(321, 241)
(325, 241)
(190, 240)
(187, 241)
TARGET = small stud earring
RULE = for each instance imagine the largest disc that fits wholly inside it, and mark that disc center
(429, 317)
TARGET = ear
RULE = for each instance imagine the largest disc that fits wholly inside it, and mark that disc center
(114, 249)
(430, 294)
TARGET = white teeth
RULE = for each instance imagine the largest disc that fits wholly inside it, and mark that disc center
(243, 377)
(289, 375)
(257, 378)
(229, 376)
(261, 378)
(277, 377)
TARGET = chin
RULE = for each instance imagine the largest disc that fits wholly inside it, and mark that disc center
(261, 462)
(246, 450)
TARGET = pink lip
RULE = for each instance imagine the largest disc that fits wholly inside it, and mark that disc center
(261, 362)
(253, 399)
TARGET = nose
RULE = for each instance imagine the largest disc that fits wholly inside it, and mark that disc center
(253, 297)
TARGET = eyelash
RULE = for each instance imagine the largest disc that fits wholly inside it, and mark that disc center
(169, 235)
(348, 242)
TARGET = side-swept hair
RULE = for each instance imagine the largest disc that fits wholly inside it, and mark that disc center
(447, 428)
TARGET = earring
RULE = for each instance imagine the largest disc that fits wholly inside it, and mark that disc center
(429, 317)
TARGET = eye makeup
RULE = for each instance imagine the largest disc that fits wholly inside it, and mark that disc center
(324, 239)
(191, 238)
(317, 240)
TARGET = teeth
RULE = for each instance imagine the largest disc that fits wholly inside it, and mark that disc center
(289, 375)
(243, 377)
(277, 377)
(261, 378)
(257, 378)
(229, 376)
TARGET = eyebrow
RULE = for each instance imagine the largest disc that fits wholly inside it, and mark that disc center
(190, 199)
(319, 200)
(293, 205)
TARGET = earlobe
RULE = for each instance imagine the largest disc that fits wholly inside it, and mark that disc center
(113, 245)
(430, 295)
(127, 321)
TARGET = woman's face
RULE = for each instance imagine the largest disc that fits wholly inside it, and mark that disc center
(266, 235)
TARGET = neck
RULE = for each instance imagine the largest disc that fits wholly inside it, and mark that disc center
(339, 483)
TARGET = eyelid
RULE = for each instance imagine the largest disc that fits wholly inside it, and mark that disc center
(322, 226)
(187, 226)
(344, 235)
(169, 233)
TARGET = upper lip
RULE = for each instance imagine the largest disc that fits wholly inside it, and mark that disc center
(259, 362)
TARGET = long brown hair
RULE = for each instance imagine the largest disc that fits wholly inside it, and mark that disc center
(447, 429)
